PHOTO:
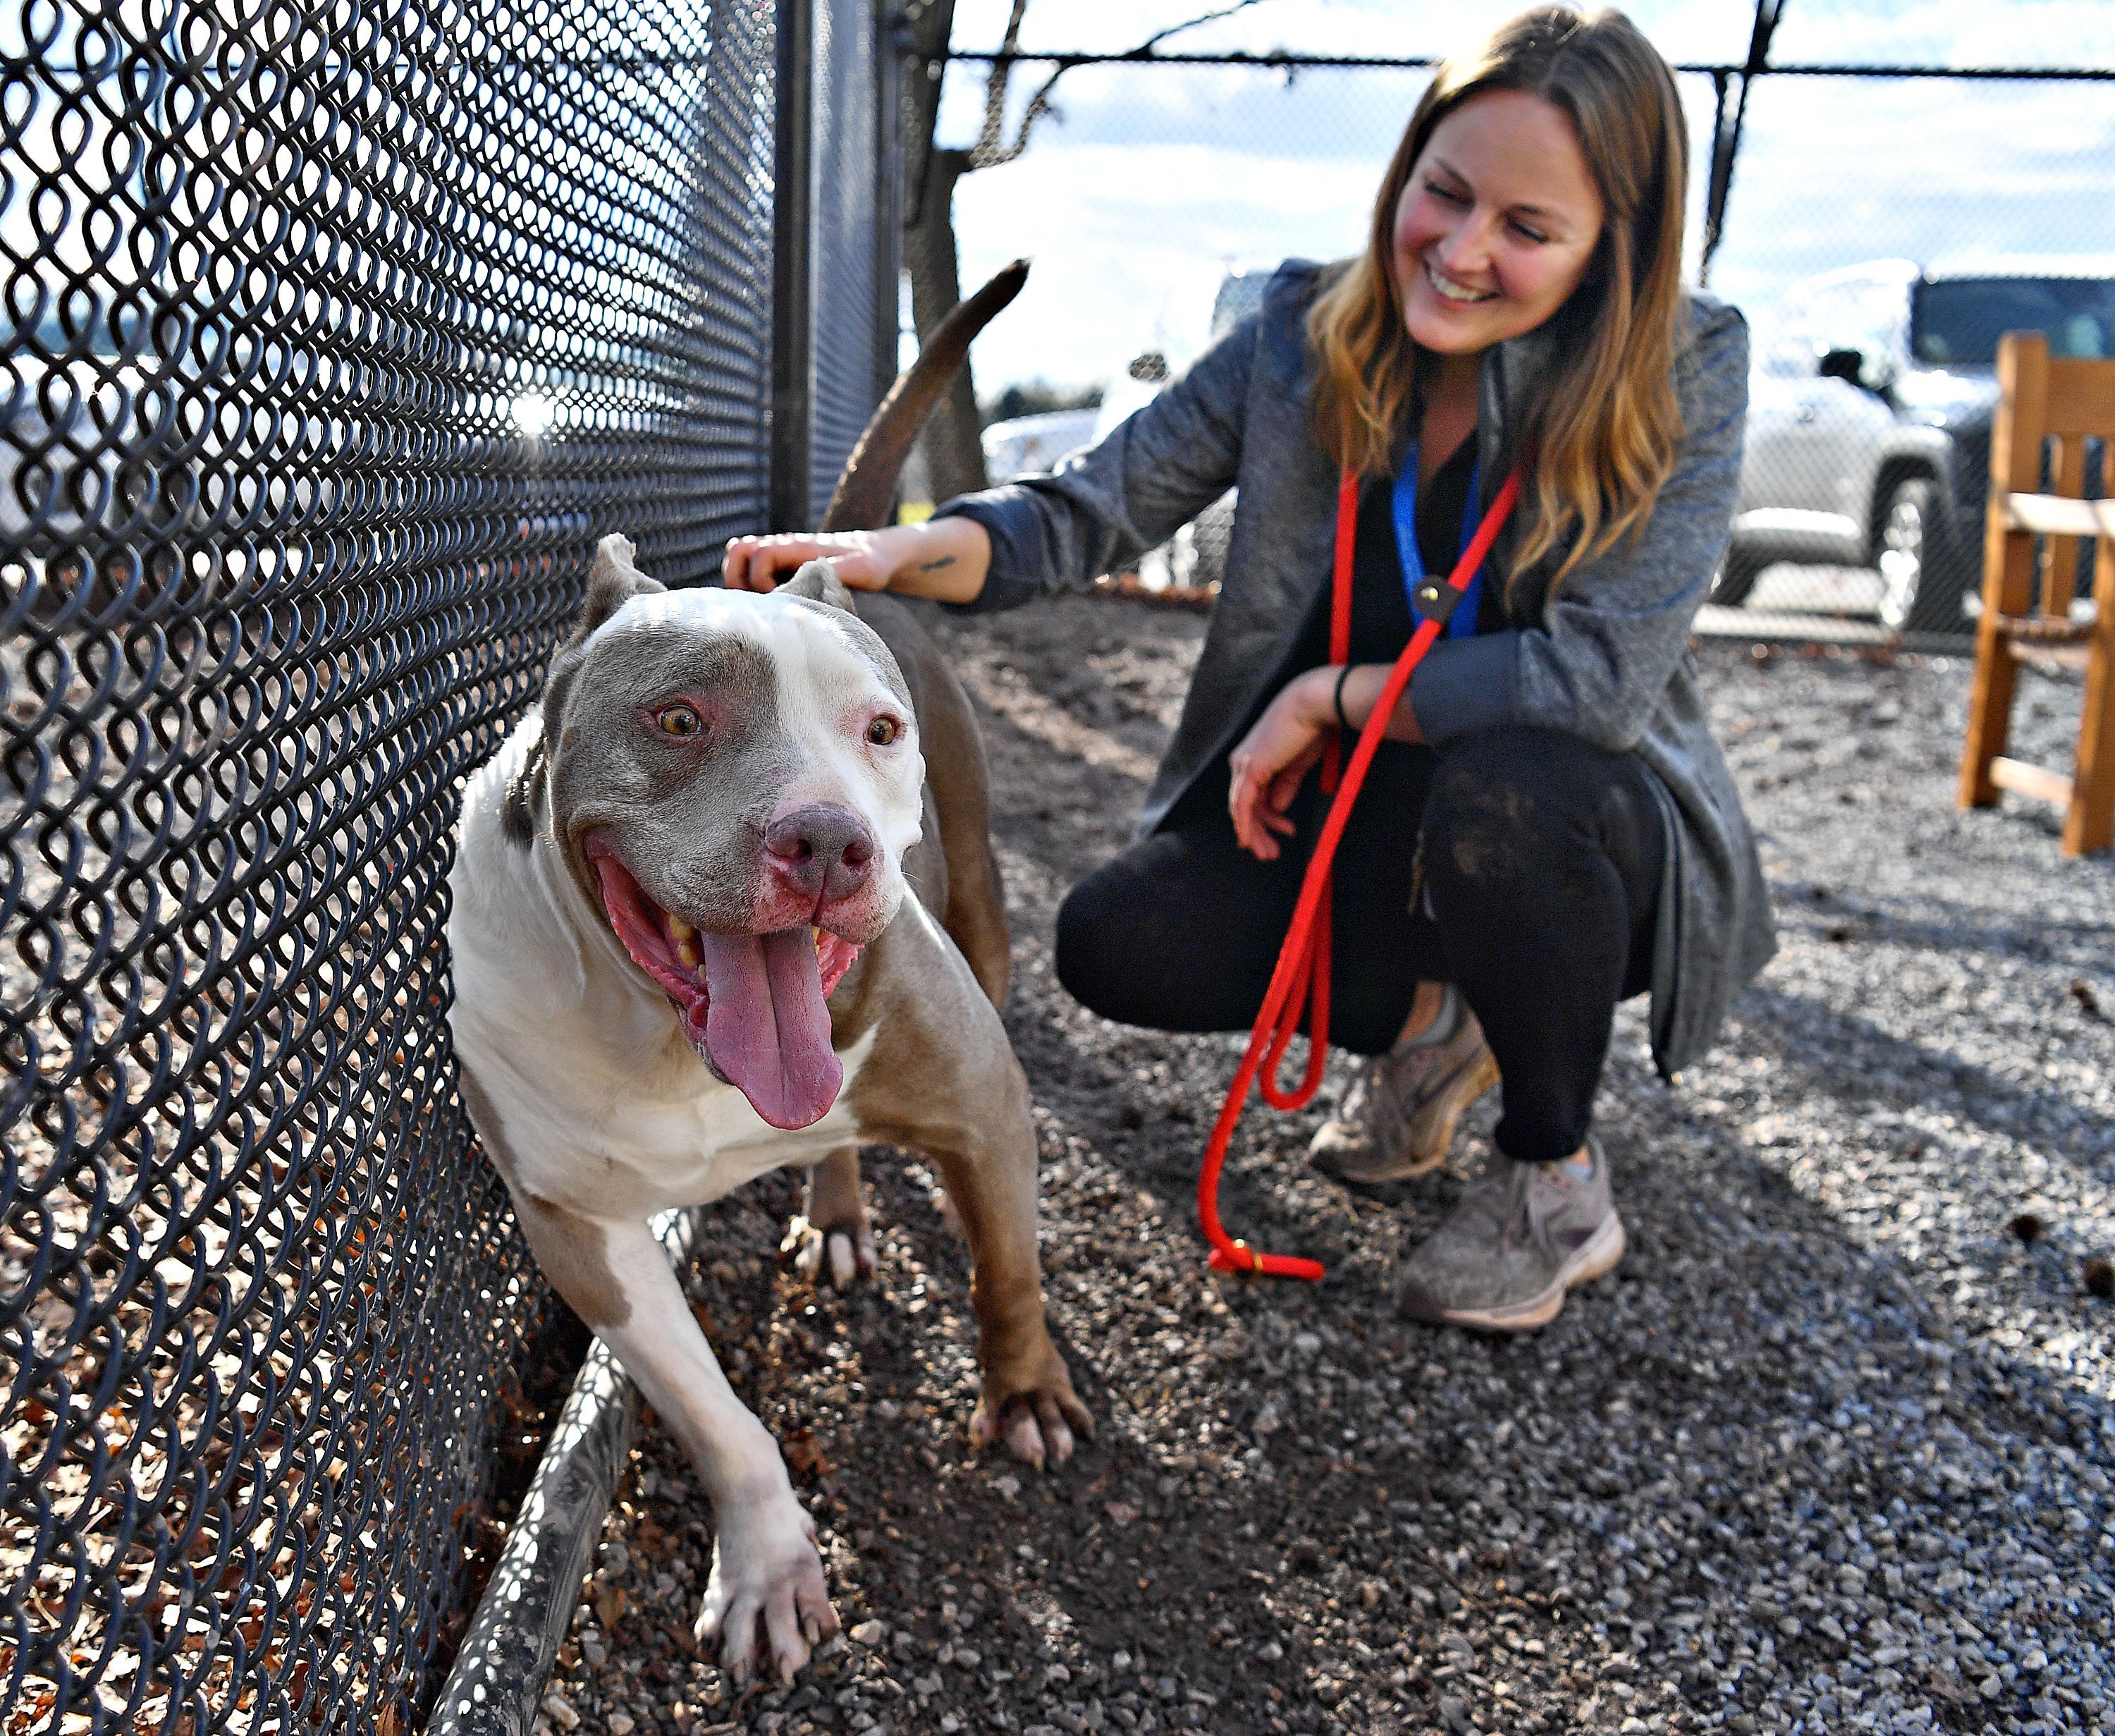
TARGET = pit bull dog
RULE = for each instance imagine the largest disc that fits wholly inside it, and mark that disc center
(697, 935)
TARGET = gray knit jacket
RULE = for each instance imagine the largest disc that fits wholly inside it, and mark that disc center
(1608, 660)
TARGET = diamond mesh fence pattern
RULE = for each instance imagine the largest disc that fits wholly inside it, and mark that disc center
(335, 334)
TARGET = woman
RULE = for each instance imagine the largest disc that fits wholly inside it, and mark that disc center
(1550, 828)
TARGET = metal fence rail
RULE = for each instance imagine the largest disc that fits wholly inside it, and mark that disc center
(334, 335)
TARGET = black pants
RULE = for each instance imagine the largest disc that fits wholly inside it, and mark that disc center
(1534, 862)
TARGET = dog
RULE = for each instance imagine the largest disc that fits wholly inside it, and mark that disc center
(694, 940)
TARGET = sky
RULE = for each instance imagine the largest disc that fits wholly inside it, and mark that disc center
(1134, 200)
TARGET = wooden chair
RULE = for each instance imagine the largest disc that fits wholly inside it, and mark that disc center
(2029, 586)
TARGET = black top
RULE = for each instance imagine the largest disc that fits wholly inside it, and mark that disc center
(1381, 620)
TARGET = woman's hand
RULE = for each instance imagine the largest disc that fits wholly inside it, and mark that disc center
(943, 557)
(865, 560)
(1272, 760)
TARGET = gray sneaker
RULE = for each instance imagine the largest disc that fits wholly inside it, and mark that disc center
(1520, 1235)
(1398, 1119)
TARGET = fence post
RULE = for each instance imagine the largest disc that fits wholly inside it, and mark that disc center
(792, 274)
(888, 68)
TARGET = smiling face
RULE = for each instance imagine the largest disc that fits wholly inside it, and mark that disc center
(1497, 225)
(734, 779)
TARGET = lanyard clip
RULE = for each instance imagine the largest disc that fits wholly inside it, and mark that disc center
(1434, 599)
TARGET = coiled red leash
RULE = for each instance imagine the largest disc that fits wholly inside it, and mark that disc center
(1300, 981)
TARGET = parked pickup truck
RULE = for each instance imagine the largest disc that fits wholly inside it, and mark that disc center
(1868, 420)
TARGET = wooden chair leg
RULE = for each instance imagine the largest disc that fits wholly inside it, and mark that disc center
(2090, 823)
(2008, 556)
(2009, 579)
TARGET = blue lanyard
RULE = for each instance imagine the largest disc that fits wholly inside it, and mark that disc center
(1462, 623)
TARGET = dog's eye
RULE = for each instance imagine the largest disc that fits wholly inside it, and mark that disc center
(678, 721)
(883, 730)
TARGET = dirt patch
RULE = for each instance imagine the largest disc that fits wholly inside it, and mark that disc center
(1830, 1448)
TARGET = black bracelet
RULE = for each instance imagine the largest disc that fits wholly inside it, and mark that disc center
(1343, 723)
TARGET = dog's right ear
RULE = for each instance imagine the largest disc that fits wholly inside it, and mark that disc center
(613, 581)
(817, 581)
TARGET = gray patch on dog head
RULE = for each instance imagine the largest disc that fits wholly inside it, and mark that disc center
(686, 820)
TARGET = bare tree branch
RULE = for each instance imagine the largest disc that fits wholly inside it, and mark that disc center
(1157, 37)
(990, 151)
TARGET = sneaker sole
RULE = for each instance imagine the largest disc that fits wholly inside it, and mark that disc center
(1435, 1122)
(1596, 1259)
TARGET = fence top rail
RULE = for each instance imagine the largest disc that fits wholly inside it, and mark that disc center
(1286, 57)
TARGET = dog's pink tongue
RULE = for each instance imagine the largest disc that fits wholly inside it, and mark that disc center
(768, 1029)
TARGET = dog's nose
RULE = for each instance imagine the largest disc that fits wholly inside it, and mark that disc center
(824, 850)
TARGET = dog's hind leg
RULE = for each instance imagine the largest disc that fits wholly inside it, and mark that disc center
(942, 1080)
(833, 1231)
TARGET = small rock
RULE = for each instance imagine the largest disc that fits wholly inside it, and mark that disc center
(2027, 1226)
(870, 1633)
(2100, 1278)
(559, 1710)
(620, 1724)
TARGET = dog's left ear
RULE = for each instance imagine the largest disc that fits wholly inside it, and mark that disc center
(818, 582)
(613, 581)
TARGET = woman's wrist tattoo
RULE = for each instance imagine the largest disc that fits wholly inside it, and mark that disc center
(945, 560)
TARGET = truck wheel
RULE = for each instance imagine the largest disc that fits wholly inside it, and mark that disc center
(1922, 576)
(1735, 578)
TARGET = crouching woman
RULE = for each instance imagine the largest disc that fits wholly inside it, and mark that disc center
(1549, 827)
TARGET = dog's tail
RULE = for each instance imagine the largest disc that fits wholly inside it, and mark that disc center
(867, 489)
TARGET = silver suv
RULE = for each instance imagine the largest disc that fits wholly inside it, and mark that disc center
(1868, 420)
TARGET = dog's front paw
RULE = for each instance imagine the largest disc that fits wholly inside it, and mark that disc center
(766, 1604)
(845, 1250)
(1035, 1412)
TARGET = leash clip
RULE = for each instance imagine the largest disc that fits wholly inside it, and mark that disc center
(1435, 600)
(1256, 1257)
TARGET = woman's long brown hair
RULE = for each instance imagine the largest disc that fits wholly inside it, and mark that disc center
(1601, 436)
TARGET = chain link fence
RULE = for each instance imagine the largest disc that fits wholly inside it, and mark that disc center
(1883, 228)
(335, 335)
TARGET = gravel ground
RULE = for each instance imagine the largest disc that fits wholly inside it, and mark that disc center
(1830, 1451)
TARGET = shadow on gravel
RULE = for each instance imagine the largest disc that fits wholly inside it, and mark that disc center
(1819, 1049)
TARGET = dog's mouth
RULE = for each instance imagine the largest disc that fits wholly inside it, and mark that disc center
(752, 1005)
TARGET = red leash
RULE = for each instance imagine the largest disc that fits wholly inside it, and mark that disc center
(1301, 978)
